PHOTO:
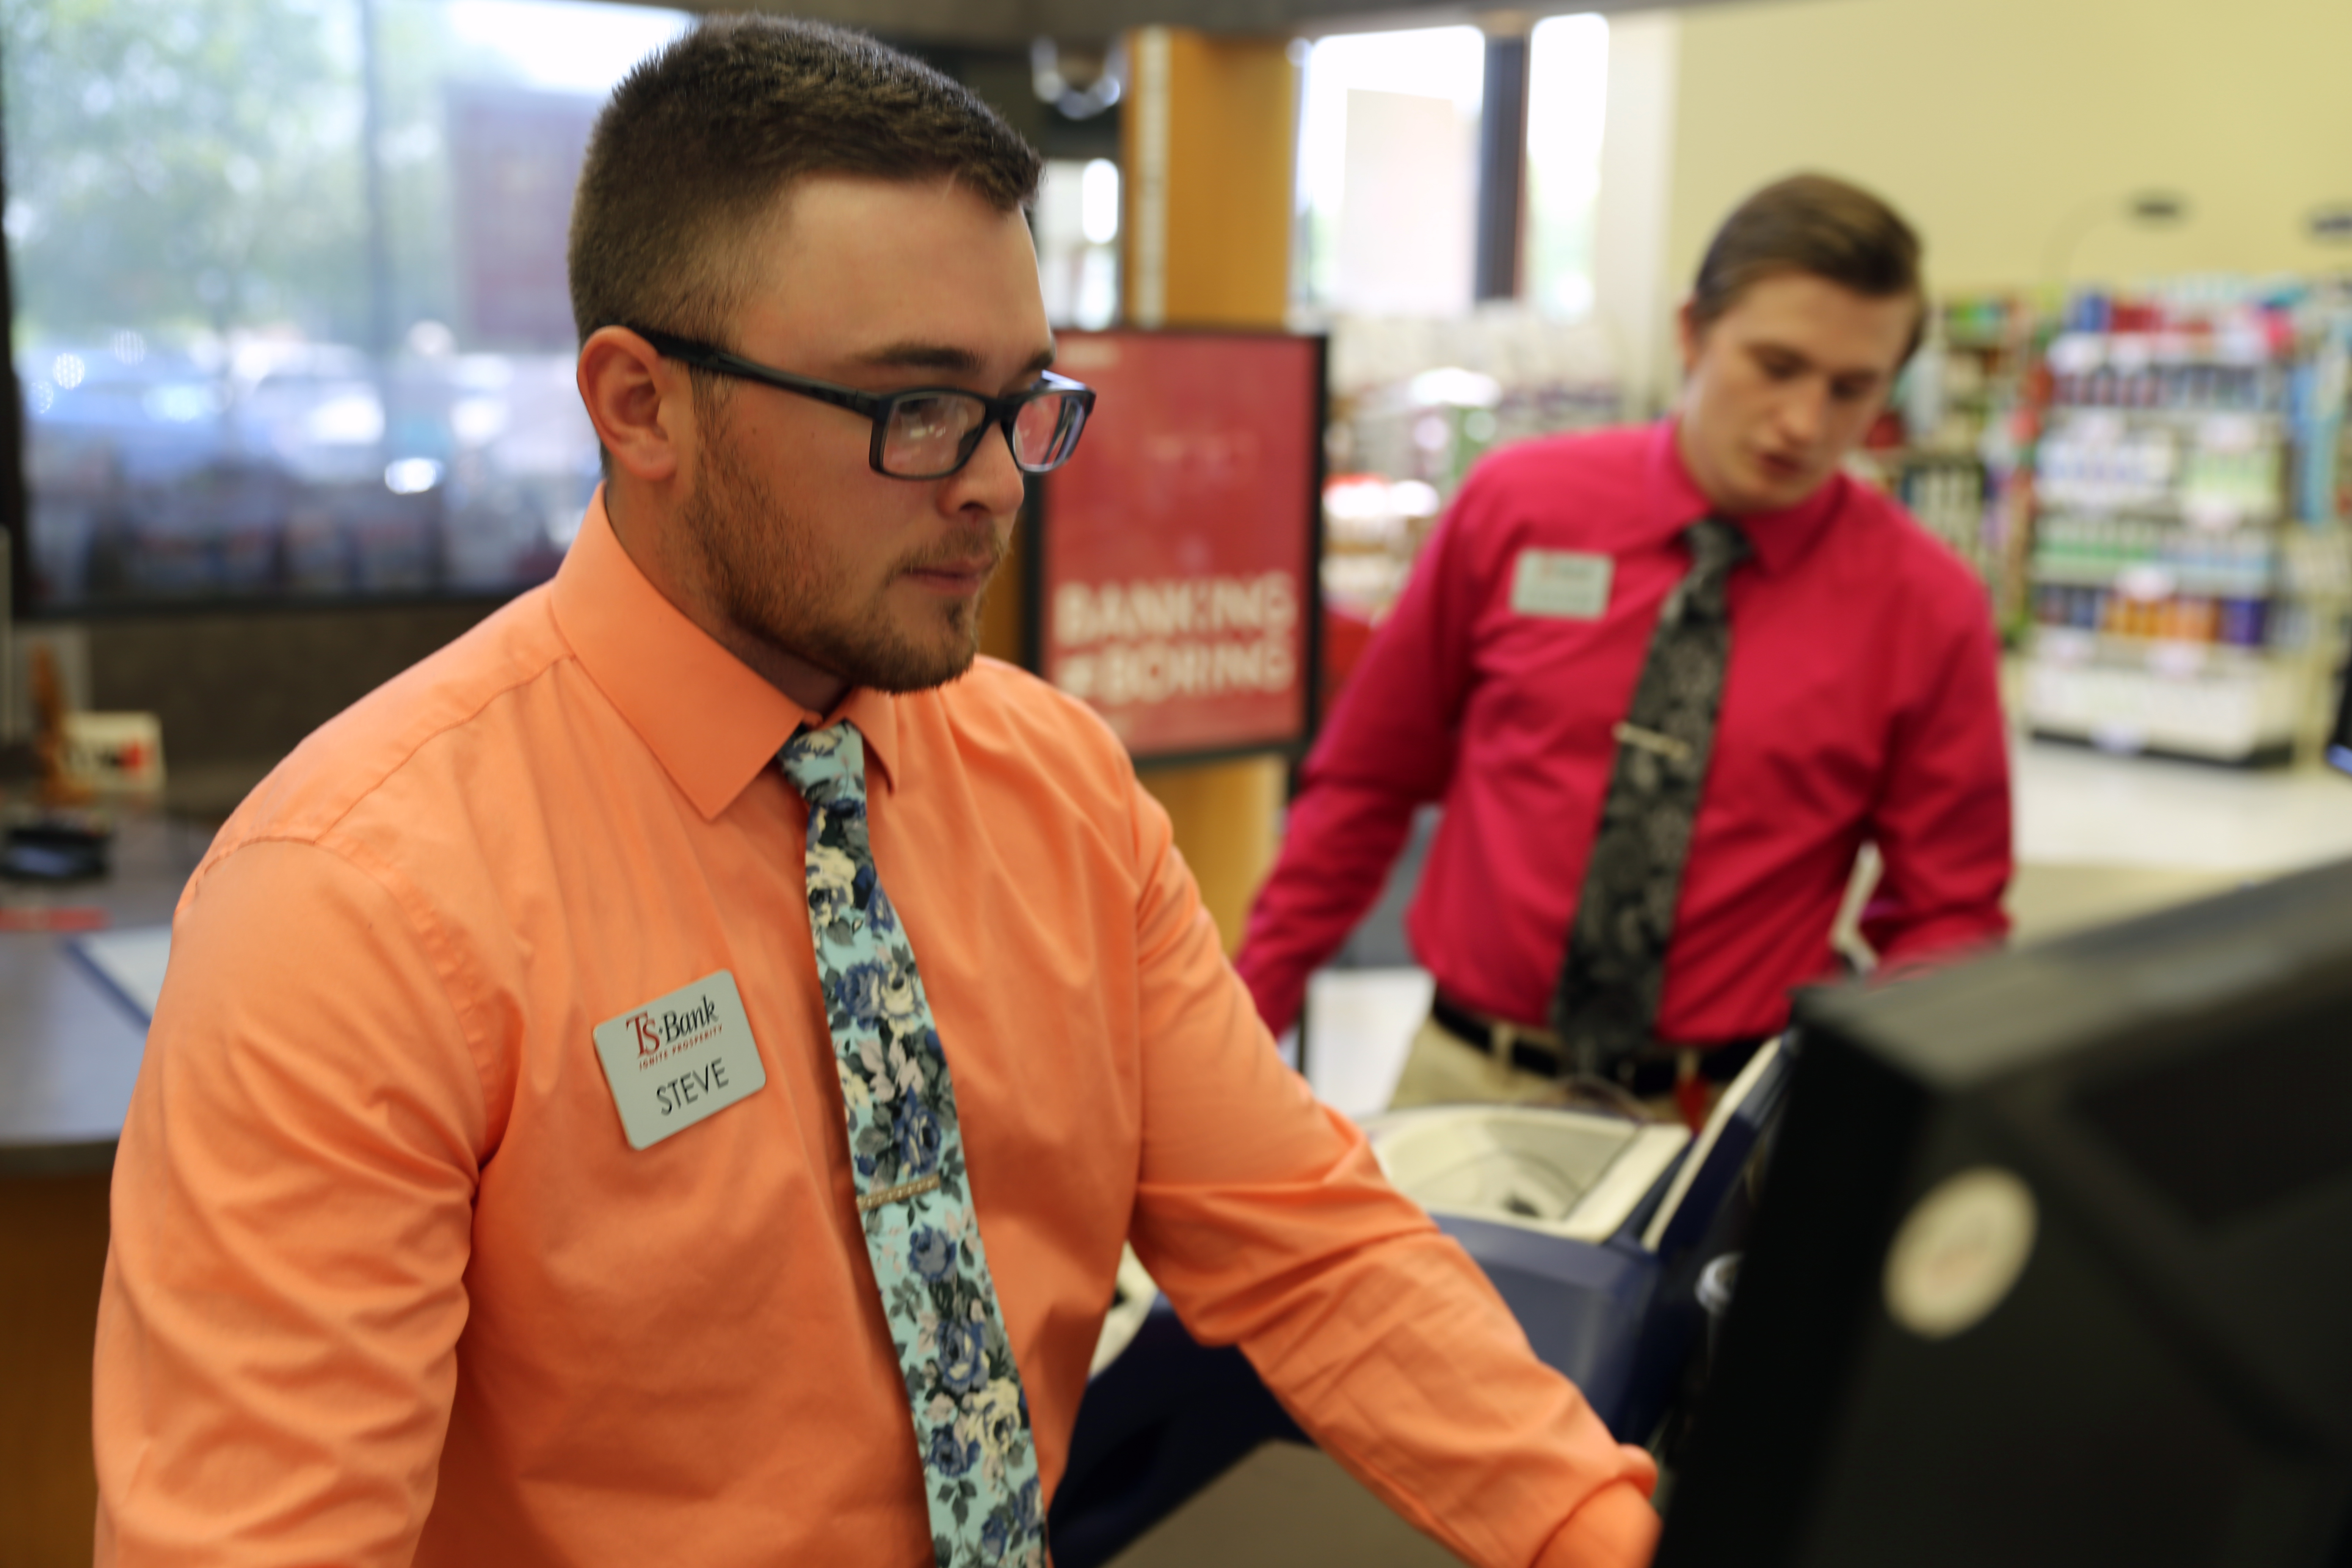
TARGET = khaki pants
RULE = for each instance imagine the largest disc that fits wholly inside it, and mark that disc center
(1445, 1069)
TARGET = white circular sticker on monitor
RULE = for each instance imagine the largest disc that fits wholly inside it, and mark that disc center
(1960, 1251)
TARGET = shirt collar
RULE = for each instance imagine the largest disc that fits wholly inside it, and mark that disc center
(1780, 538)
(711, 721)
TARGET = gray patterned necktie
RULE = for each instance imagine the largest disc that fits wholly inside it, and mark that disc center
(1606, 1004)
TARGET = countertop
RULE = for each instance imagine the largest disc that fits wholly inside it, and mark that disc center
(70, 1046)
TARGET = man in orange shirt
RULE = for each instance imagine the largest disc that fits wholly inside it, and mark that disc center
(550, 1149)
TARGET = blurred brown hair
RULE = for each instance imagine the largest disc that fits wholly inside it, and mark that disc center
(1812, 224)
(688, 161)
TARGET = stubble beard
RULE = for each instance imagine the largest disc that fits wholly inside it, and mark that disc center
(772, 585)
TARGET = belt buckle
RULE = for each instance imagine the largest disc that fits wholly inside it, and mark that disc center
(1505, 1038)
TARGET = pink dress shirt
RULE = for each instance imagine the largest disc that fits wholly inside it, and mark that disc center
(1862, 704)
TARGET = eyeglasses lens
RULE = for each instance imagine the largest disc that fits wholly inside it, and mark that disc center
(927, 434)
(931, 437)
(1046, 430)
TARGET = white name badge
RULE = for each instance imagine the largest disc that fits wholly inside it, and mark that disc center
(680, 1058)
(1563, 583)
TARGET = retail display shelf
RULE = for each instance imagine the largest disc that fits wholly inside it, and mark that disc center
(2245, 713)
(2152, 580)
(2181, 472)
(2206, 512)
(2164, 414)
(2160, 655)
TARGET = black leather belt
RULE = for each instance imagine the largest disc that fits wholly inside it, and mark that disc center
(1648, 1073)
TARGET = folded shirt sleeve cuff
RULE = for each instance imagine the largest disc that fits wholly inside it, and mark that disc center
(1614, 1528)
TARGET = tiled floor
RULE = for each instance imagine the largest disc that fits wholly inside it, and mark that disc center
(2079, 807)
(2099, 838)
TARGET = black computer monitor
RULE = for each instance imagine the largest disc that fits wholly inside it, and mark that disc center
(2054, 1264)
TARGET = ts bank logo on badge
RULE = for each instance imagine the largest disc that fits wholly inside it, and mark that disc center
(680, 1058)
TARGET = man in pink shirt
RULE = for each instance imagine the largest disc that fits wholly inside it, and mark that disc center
(1668, 682)
(669, 1078)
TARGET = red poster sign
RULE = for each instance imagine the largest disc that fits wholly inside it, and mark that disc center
(1177, 557)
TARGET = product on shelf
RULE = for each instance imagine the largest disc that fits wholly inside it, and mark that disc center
(1952, 452)
(1415, 402)
(2173, 480)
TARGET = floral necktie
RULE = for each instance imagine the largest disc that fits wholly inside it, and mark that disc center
(971, 1420)
(1606, 1005)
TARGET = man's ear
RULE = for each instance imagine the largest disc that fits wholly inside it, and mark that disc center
(1688, 333)
(640, 404)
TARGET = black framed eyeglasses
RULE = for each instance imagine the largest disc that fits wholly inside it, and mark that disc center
(924, 432)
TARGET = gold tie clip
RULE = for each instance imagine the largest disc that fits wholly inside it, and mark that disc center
(869, 1202)
(1651, 740)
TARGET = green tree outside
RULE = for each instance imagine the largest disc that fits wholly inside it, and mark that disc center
(185, 168)
(179, 166)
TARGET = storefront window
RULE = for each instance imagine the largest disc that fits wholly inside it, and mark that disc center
(1567, 95)
(1388, 171)
(290, 313)
(1077, 241)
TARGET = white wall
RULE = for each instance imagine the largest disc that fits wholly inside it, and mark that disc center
(1633, 294)
(1990, 124)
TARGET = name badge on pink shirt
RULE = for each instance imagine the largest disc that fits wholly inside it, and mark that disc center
(679, 1059)
(1565, 585)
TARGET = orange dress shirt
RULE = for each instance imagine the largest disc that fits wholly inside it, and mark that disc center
(387, 1283)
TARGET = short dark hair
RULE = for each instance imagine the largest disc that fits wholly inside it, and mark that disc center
(689, 160)
(1812, 224)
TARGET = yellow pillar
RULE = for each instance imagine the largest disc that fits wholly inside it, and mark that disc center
(1209, 131)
